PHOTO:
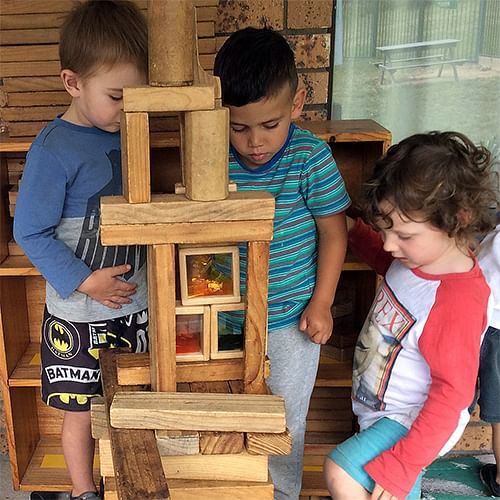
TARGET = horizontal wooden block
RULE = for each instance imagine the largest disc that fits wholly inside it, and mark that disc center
(170, 208)
(200, 412)
(187, 233)
(221, 443)
(172, 443)
(258, 443)
(182, 489)
(167, 99)
(135, 369)
(233, 467)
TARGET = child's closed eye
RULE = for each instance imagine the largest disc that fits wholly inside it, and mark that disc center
(116, 97)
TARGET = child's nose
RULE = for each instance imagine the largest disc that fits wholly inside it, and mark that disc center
(390, 244)
(254, 139)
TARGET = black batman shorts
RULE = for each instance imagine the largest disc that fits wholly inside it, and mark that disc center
(70, 355)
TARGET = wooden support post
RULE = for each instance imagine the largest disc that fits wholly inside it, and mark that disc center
(256, 317)
(161, 281)
(205, 152)
(137, 463)
(135, 157)
(171, 42)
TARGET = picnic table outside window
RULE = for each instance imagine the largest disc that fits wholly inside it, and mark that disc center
(419, 55)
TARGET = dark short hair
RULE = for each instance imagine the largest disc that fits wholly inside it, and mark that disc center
(442, 177)
(254, 63)
(100, 33)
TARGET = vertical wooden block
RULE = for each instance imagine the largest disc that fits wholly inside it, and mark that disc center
(226, 331)
(256, 317)
(161, 284)
(135, 157)
(192, 333)
(171, 25)
(209, 275)
(205, 151)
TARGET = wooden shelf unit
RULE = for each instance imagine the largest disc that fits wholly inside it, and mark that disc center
(33, 429)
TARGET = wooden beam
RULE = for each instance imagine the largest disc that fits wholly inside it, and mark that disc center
(187, 233)
(256, 317)
(233, 467)
(135, 369)
(161, 297)
(136, 459)
(269, 444)
(171, 50)
(168, 99)
(205, 152)
(136, 175)
(199, 411)
(170, 208)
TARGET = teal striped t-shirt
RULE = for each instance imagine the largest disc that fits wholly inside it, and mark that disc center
(306, 183)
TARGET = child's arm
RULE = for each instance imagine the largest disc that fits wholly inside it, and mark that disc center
(450, 344)
(39, 210)
(316, 320)
(367, 245)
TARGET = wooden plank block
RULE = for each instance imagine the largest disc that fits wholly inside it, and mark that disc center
(35, 53)
(233, 467)
(30, 6)
(134, 369)
(198, 411)
(136, 175)
(167, 99)
(32, 83)
(205, 150)
(172, 443)
(48, 98)
(221, 443)
(256, 317)
(182, 489)
(187, 233)
(35, 68)
(39, 113)
(25, 129)
(168, 208)
(29, 36)
(269, 444)
(27, 21)
(161, 298)
(136, 459)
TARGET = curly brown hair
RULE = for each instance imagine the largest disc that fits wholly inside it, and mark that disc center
(439, 177)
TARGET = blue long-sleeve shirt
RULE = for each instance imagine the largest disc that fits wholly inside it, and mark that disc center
(68, 168)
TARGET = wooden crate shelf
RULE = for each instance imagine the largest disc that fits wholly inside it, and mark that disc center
(33, 429)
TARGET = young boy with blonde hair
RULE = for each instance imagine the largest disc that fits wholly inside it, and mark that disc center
(96, 297)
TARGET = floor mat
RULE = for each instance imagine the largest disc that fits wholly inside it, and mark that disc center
(455, 478)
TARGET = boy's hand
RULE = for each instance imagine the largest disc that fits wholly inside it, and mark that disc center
(380, 494)
(317, 322)
(104, 286)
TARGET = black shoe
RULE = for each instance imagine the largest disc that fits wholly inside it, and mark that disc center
(44, 495)
(488, 473)
(88, 495)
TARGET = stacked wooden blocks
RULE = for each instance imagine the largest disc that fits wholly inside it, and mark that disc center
(213, 439)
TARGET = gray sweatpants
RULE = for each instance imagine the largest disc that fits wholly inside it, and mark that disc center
(294, 364)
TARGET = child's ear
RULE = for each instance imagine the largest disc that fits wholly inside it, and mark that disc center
(71, 82)
(298, 103)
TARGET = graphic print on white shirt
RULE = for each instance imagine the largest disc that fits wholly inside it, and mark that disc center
(378, 346)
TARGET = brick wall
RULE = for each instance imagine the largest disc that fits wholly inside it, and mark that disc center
(307, 26)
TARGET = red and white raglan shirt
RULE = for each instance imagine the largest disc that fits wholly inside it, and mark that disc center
(416, 359)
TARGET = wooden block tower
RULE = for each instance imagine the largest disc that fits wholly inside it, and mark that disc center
(213, 437)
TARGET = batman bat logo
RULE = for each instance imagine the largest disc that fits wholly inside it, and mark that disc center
(62, 339)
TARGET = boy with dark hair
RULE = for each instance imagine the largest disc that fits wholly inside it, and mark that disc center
(268, 152)
(417, 356)
(96, 297)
